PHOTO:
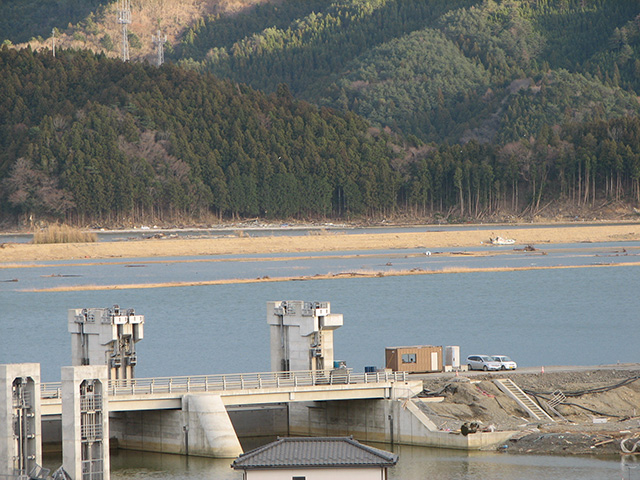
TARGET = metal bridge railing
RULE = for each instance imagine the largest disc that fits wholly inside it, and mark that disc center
(239, 381)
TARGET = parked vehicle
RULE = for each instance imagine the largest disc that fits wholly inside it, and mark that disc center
(505, 362)
(482, 362)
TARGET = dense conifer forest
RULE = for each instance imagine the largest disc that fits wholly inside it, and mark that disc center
(329, 109)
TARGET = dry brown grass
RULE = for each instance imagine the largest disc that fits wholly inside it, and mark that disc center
(172, 17)
(63, 234)
(295, 245)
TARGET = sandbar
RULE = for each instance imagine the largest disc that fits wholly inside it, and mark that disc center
(433, 237)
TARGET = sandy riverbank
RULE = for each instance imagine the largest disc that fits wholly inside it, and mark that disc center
(326, 241)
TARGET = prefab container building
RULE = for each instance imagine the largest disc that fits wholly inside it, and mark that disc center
(420, 358)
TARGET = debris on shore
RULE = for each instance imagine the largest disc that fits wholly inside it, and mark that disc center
(600, 413)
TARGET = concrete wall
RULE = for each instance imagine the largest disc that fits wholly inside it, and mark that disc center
(211, 433)
(257, 421)
(52, 434)
(85, 421)
(202, 428)
(164, 430)
(317, 474)
(29, 373)
(149, 431)
(301, 335)
(386, 421)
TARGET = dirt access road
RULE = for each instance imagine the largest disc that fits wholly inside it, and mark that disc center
(601, 409)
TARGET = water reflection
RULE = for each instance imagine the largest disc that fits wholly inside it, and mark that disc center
(146, 465)
(422, 463)
(415, 463)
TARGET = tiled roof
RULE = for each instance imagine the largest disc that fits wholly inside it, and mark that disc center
(314, 452)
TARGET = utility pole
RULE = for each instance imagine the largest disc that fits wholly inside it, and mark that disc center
(124, 18)
(159, 41)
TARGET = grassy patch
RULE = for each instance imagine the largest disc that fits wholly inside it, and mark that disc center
(63, 234)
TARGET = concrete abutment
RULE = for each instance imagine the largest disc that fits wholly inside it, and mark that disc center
(393, 421)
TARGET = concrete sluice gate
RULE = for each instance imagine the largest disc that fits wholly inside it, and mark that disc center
(20, 423)
(100, 402)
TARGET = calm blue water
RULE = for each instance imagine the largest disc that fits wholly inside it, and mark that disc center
(572, 316)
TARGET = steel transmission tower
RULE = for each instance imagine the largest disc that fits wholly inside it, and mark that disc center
(159, 41)
(124, 18)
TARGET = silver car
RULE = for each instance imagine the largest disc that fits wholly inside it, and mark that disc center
(505, 362)
(482, 362)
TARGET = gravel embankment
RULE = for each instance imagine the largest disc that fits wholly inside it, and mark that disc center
(601, 408)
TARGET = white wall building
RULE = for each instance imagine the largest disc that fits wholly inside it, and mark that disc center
(321, 458)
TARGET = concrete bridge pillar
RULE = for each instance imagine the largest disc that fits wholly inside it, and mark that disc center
(85, 422)
(208, 428)
(20, 425)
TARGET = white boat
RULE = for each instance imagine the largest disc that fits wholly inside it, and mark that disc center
(502, 241)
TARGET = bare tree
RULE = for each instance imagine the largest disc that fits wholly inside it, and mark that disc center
(33, 192)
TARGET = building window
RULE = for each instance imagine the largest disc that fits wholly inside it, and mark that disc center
(408, 358)
(299, 478)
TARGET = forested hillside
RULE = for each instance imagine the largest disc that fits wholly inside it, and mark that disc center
(326, 108)
(442, 70)
(25, 19)
(86, 137)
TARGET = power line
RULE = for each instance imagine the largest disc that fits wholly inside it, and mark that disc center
(159, 41)
(124, 18)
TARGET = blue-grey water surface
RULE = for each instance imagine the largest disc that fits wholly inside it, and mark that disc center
(585, 316)
(569, 316)
(414, 463)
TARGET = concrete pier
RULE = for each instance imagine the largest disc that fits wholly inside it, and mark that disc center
(20, 422)
(210, 431)
(85, 422)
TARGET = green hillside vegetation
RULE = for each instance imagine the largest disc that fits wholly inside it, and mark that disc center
(312, 49)
(88, 139)
(441, 70)
(24, 19)
(326, 108)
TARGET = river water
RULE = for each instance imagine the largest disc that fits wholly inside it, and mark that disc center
(568, 316)
(414, 463)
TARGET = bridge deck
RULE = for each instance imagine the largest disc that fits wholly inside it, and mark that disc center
(235, 389)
